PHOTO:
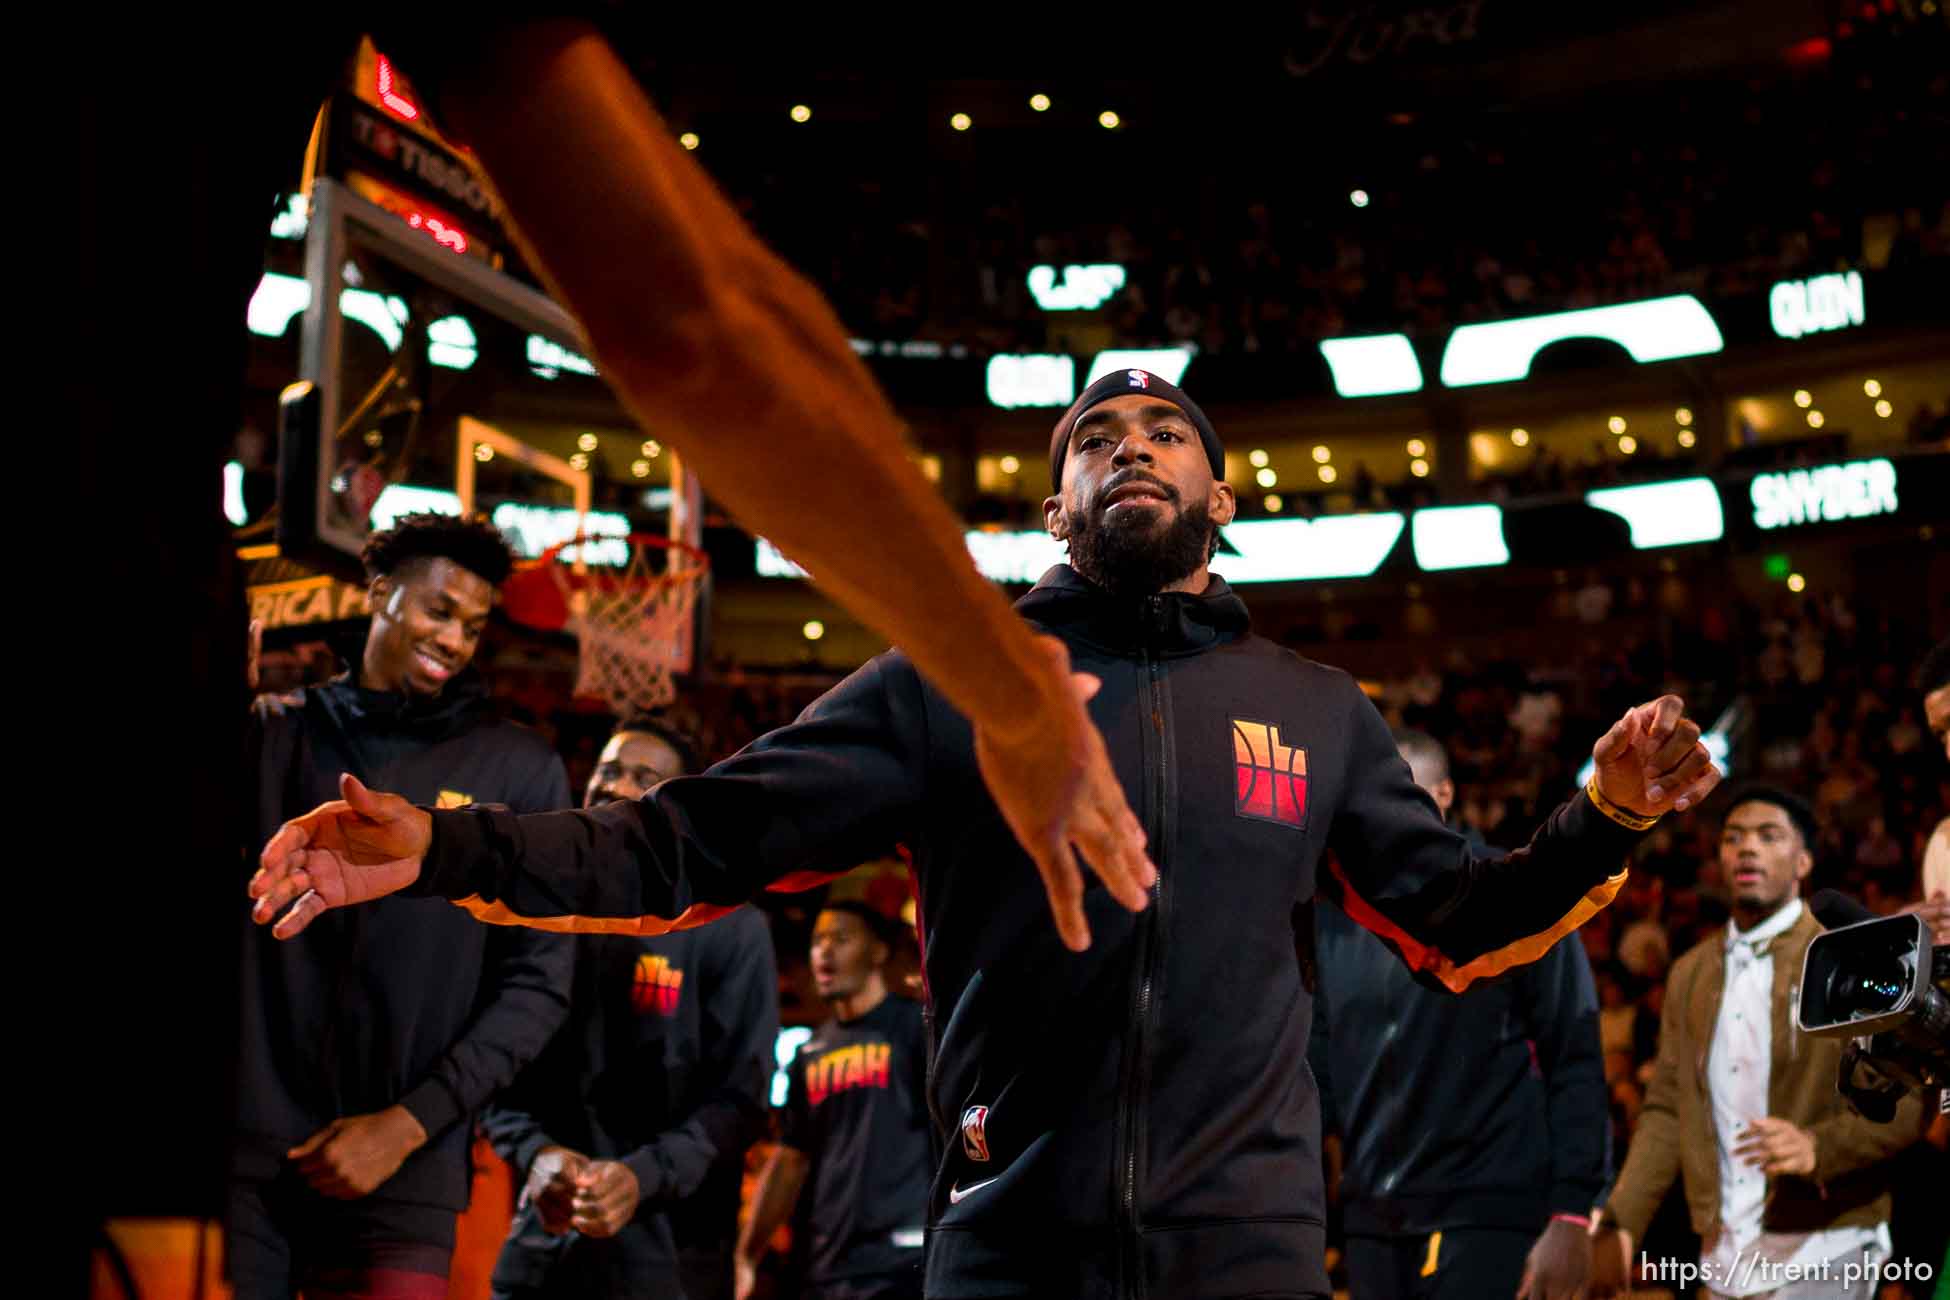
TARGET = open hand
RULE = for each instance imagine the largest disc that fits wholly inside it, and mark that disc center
(1558, 1263)
(1652, 762)
(1053, 783)
(351, 1157)
(357, 848)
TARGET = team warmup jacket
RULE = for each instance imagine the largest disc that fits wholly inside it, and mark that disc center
(665, 1064)
(406, 1000)
(1136, 1120)
(1528, 1135)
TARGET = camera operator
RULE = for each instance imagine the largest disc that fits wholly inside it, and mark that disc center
(1778, 1171)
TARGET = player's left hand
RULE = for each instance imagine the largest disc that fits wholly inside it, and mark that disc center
(605, 1198)
(1776, 1146)
(1652, 762)
(1558, 1264)
(351, 1157)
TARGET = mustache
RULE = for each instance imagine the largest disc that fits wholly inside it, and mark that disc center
(1124, 478)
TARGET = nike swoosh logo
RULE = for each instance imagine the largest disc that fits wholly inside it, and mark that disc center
(955, 1194)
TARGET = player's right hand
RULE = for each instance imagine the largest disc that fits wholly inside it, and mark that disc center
(359, 847)
(1053, 783)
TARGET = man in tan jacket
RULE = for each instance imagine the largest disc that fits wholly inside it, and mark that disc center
(1787, 1187)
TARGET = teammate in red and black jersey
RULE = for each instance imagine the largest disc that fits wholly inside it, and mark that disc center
(855, 1127)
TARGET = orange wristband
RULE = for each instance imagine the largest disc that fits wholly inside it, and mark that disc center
(1625, 817)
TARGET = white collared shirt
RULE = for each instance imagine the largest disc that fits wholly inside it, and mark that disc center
(1737, 1069)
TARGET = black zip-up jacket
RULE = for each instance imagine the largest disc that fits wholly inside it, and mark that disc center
(666, 1065)
(407, 1000)
(1150, 1127)
(1526, 1138)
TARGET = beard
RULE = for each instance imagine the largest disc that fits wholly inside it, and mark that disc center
(1128, 554)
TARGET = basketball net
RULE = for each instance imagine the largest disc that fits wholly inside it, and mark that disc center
(631, 624)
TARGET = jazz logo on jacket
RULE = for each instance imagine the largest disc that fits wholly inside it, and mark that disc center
(1271, 776)
(657, 985)
(857, 1065)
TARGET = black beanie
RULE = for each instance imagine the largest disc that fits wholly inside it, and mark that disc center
(1123, 383)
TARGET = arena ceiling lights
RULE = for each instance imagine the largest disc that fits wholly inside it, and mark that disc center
(1375, 366)
(1675, 513)
(1657, 329)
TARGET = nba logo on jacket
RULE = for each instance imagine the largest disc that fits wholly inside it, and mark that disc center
(975, 1132)
(1271, 777)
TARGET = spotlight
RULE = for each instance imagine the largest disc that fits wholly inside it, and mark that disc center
(1266, 478)
(1327, 474)
(1815, 420)
(1687, 438)
(1258, 457)
(1684, 415)
(1040, 103)
(483, 452)
(1803, 398)
(587, 442)
(961, 121)
(1797, 583)
(1419, 467)
(640, 468)
(1416, 447)
(1628, 444)
(813, 630)
(1521, 437)
(1108, 120)
(1884, 409)
(1322, 455)
(1616, 424)
(1872, 388)
(1359, 198)
(801, 113)
(1273, 503)
(1010, 464)
(688, 139)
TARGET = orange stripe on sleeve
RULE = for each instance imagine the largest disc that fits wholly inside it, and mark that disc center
(1422, 957)
(689, 919)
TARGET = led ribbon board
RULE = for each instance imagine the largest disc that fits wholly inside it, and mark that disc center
(1822, 302)
(1075, 288)
(1374, 366)
(530, 529)
(1658, 329)
(1272, 550)
(1824, 494)
(1031, 379)
(1676, 513)
(1167, 364)
(1458, 537)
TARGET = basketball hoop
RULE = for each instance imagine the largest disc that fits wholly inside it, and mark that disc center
(632, 621)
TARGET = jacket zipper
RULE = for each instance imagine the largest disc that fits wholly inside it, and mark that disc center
(1149, 942)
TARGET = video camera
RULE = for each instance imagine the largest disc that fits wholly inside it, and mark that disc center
(1878, 981)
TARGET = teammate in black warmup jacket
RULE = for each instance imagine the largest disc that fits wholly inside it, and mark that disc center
(1149, 1128)
(629, 1132)
(368, 1046)
(1474, 1128)
(855, 1127)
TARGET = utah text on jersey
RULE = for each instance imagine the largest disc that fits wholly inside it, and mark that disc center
(860, 1065)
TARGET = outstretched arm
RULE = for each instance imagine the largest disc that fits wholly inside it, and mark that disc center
(718, 347)
(808, 801)
(1455, 917)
